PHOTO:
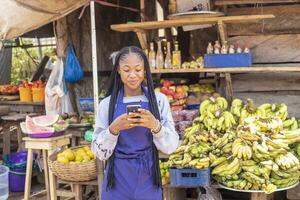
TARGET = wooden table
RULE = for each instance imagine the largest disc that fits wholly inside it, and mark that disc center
(25, 107)
(47, 145)
(11, 123)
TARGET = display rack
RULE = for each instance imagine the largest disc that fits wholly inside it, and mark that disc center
(141, 28)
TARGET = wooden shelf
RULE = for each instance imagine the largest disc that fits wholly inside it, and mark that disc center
(255, 68)
(236, 2)
(148, 25)
(21, 103)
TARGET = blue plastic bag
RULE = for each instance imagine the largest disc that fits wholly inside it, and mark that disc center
(73, 71)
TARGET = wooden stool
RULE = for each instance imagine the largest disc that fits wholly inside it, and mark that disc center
(76, 188)
(47, 145)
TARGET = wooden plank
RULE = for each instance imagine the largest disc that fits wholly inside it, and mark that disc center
(173, 193)
(266, 82)
(271, 48)
(46, 173)
(255, 68)
(294, 193)
(229, 90)
(22, 103)
(286, 20)
(236, 2)
(182, 22)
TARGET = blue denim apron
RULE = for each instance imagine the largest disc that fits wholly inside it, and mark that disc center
(133, 162)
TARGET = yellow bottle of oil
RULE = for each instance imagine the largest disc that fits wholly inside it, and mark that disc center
(176, 58)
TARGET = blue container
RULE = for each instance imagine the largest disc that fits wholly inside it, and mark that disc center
(193, 106)
(87, 104)
(189, 177)
(228, 60)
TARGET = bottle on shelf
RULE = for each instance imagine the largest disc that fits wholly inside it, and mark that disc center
(231, 49)
(159, 56)
(210, 48)
(152, 56)
(176, 59)
(239, 50)
(168, 59)
(217, 47)
(224, 49)
(246, 50)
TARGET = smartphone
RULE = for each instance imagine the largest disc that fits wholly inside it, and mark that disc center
(133, 109)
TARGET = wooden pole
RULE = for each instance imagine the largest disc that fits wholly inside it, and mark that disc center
(99, 163)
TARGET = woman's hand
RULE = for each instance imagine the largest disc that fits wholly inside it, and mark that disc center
(121, 123)
(146, 119)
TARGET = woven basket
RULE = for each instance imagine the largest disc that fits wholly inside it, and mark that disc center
(74, 172)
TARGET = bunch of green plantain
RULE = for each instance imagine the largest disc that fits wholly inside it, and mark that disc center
(249, 110)
(275, 110)
(290, 124)
(220, 120)
(212, 105)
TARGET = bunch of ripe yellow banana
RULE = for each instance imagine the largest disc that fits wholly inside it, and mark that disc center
(276, 110)
(290, 124)
(287, 160)
(249, 110)
(220, 121)
(213, 105)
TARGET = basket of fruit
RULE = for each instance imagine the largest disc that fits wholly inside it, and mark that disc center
(74, 164)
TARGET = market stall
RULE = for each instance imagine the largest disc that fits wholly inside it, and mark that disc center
(226, 142)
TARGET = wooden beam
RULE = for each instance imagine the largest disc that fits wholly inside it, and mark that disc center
(142, 38)
(229, 90)
(222, 31)
(235, 2)
(186, 21)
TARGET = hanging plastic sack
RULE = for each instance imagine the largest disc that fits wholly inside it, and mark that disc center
(57, 100)
(210, 194)
(73, 71)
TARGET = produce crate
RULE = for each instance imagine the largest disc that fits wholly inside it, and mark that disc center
(189, 177)
(228, 60)
(87, 104)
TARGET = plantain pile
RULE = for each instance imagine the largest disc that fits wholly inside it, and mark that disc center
(193, 152)
(247, 147)
(260, 158)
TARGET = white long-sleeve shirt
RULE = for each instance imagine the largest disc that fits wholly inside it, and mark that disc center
(104, 143)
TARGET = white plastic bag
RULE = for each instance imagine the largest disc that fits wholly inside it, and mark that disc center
(211, 194)
(57, 101)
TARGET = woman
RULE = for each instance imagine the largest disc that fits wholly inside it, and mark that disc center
(130, 142)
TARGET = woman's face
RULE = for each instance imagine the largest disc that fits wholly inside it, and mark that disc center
(131, 70)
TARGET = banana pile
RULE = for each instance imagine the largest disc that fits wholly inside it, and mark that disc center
(247, 147)
(260, 158)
